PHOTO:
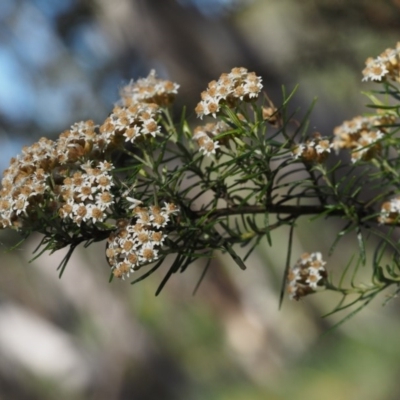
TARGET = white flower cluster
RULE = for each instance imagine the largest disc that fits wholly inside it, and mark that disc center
(131, 123)
(86, 194)
(61, 176)
(204, 136)
(387, 64)
(24, 183)
(316, 149)
(307, 276)
(70, 176)
(361, 135)
(239, 84)
(136, 115)
(149, 90)
(137, 243)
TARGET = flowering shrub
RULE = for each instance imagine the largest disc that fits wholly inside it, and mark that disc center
(152, 185)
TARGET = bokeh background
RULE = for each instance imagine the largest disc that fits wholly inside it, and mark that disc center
(80, 337)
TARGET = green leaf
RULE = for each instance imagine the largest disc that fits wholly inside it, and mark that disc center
(227, 247)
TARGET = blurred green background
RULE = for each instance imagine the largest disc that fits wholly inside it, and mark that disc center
(82, 338)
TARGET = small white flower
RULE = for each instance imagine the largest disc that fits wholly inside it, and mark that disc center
(147, 253)
(105, 166)
(160, 220)
(20, 204)
(209, 147)
(86, 191)
(375, 71)
(323, 146)
(104, 182)
(104, 200)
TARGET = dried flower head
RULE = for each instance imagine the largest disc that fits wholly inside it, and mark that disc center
(307, 276)
(271, 115)
(390, 212)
